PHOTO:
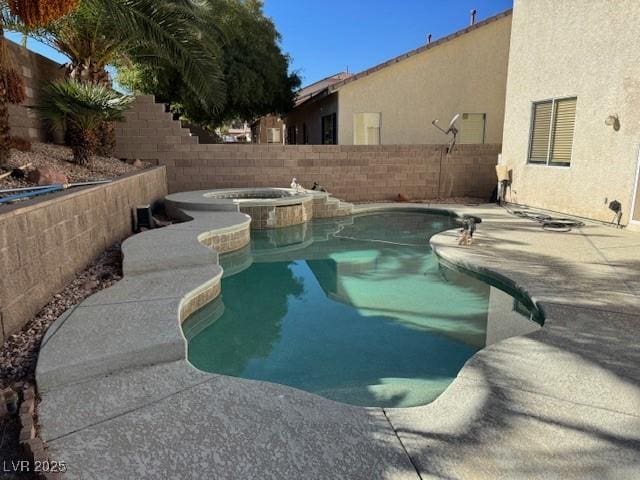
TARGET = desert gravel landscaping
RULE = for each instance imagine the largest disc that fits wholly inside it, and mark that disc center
(59, 158)
(19, 354)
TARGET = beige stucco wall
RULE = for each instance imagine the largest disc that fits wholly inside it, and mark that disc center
(465, 74)
(312, 114)
(588, 49)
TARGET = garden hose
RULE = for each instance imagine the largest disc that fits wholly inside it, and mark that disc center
(552, 224)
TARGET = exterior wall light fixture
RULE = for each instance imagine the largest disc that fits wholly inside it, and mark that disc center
(613, 121)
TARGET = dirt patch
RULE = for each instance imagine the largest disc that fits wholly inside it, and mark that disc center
(60, 158)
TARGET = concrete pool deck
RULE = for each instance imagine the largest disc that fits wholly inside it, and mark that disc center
(119, 399)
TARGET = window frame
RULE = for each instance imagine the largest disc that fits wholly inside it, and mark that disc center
(553, 101)
(292, 134)
(334, 128)
(484, 127)
(276, 129)
(379, 114)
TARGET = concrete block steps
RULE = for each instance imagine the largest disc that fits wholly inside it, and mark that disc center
(157, 116)
(326, 206)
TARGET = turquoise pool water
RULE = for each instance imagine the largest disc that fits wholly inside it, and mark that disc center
(356, 309)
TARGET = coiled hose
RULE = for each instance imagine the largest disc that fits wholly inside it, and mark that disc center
(552, 224)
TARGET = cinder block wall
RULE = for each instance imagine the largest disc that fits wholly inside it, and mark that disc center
(43, 246)
(35, 70)
(352, 173)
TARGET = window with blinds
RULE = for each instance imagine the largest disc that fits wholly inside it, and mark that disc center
(472, 128)
(273, 135)
(366, 128)
(552, 128)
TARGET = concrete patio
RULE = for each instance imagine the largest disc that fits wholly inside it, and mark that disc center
(562, 402)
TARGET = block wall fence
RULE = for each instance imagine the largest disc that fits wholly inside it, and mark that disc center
(35, 70)
(352, 173)
(45, 244)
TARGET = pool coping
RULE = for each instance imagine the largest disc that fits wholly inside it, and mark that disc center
(204, 199)
(195, 282)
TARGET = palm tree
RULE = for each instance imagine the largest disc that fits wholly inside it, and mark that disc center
(98, 33)
(31, 13)
(82, 107)
(36, 13)
(105, 32)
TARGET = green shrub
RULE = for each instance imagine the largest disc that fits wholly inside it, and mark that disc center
(81, 108)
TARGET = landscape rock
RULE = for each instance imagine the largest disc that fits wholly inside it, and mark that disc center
(27, 433)
(28, 393)
(90, 285)
(10, 398)
(34, 448)
(28, 407)
(19, 354)
(47, 176)
(60, 159)
(28, 428)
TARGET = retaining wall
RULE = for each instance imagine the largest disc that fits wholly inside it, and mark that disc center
(350, 172)
(44, 245)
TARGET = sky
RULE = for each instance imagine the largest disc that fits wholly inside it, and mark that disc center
(45, 50)
(324, 37)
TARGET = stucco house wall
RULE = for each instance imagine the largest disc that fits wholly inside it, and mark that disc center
(588, 49)
(467, 74)
(311, 113)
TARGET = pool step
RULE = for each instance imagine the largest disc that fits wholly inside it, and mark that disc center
(326, 206)
(345, 208)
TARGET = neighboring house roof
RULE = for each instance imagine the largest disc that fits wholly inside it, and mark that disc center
(263, 117)
(310, 91)
(332, 87)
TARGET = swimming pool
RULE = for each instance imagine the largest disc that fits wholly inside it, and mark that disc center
(356, 309)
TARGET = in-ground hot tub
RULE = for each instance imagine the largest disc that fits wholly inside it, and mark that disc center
(267, 207)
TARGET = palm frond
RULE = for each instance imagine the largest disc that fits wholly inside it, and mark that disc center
(85, 105)
(168, 31)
